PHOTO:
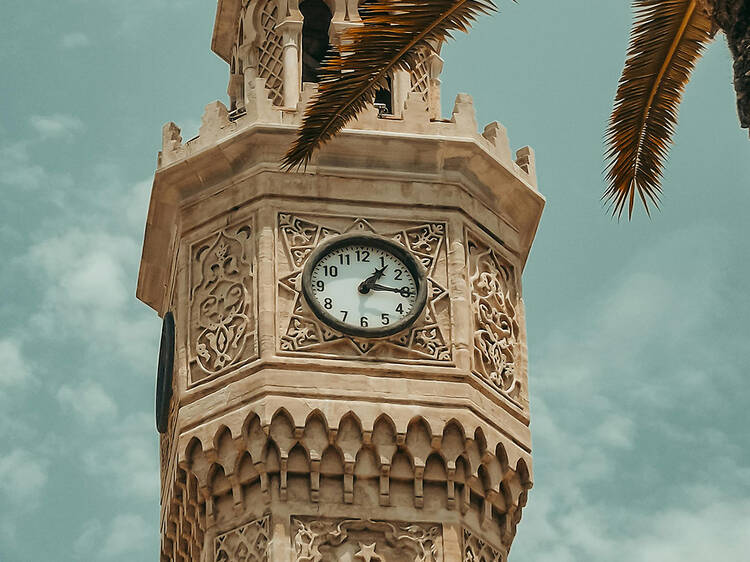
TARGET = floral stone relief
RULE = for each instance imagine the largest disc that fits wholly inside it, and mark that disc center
(477, 550)
(497, 334)
(223, 319)
(321, 540)
(301, 331)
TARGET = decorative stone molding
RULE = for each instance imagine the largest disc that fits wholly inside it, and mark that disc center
(325, 540)
(248, 543)
(223, 302)
(302, 333)
(477, 550)
(497, 332)
(342, 466)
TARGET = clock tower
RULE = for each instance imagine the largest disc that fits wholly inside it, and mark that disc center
(343, 372)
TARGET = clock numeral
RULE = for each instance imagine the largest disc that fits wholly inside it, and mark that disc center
(363, 255)
(345, 259)
(364, 322)
(382, 261)
(330, 271)
(400, 308)
(405, 292)
(344, 314)
(399, 273)
(320, 286)
(384, 319)
(328, 304)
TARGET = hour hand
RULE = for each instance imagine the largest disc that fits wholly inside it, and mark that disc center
(368, 283)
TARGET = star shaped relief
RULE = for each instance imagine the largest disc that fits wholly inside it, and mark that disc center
(367, 553)
(427, 339)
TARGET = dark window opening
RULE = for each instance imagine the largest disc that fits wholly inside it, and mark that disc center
(317, 20)
(384, 99)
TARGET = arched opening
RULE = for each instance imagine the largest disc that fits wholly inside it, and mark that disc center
(317, 19)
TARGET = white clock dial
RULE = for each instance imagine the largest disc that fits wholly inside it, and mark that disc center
(364, 287)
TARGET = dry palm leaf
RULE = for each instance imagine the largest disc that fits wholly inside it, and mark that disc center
(393, 33)
(667, 39)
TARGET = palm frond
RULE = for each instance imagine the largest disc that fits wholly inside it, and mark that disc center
(393, 33)
(667, 39)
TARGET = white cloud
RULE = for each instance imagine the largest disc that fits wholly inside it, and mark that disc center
(636, 356)
(124, 538)
(127, 534)
(88, 400)
(90, 287)
(128, 456)
(56, 126)
(22, 476)
(75, 40)
(14, 367)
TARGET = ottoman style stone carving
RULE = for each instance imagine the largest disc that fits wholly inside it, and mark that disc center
(291, 438)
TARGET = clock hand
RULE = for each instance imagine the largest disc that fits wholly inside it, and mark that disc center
(377, 287)
(367, 284)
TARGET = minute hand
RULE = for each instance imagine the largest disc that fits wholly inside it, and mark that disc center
(377, 287)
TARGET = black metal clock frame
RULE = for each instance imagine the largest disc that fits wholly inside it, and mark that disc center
(164, 373)
(374, 241)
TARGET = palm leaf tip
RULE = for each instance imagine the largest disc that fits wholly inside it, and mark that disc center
(393, 34)
(667, 39)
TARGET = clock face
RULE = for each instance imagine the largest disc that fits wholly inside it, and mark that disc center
(364, 285)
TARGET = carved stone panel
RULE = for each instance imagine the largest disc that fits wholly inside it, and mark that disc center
(223, 318)
(321, 540)
(497, 332)
(477, 550)
(300, 332)
(248, 543)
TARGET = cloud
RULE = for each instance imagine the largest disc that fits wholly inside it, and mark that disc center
(127, 534)
(127, 456)
(14, 368)
(56, 126)
(75, 40)
(88, 400)
(89, 288)
(22, 476)
(611, 476)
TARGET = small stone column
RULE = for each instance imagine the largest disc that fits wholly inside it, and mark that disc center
(291, 34)
(434, 67)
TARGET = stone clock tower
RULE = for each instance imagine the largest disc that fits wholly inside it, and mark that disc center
(287, 436)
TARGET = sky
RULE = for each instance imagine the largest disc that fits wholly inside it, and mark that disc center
(638, 331)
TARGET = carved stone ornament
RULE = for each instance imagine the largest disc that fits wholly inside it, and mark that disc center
(365, 541)
(223, 320)
(496, 329)
(248, 543)
(301, 331)
(477, 550)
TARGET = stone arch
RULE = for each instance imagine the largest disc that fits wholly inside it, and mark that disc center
(281, 431)
(331, 476)
(298, 471)
(419, 440)
(366, 474)
(384, 438)
(435, 478)
(349, 436)
(315, 434)
(255, 437)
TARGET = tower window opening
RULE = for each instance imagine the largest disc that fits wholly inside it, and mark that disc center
(317, 20)
(384, 98)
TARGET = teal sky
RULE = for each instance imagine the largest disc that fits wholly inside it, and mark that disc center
(638, 332)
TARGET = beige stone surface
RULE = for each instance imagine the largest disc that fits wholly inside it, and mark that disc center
(288, 440)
